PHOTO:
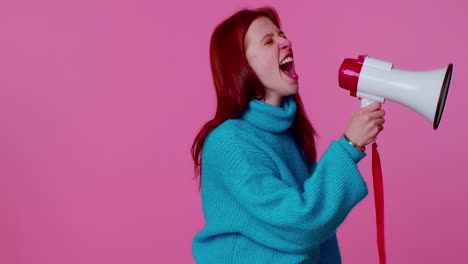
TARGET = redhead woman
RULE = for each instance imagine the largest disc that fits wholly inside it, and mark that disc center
(265, 197)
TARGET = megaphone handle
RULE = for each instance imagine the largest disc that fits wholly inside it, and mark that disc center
(365, 102)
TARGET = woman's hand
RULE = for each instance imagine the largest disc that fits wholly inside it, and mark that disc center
(366, 124)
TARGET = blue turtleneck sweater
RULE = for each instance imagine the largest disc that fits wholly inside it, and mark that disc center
(262, 202)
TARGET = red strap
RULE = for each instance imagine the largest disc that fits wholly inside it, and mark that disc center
(379, 201)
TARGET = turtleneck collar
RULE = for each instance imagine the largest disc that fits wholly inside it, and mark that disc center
(269, 117)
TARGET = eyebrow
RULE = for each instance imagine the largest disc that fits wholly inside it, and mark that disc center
(271, 34)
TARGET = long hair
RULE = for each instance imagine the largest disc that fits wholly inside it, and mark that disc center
(236, 83)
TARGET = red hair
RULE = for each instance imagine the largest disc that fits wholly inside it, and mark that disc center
(236, 82)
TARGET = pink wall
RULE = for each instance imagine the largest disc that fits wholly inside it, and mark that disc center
(100, 102)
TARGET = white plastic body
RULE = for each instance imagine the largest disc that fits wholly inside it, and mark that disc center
(418, 90)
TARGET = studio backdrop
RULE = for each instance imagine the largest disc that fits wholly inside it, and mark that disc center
(100, 102)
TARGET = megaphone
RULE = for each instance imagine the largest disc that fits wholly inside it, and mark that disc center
(375, 80)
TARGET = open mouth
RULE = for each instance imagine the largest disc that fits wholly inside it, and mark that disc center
(287, 67)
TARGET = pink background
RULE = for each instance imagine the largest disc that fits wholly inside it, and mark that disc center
(100, 102)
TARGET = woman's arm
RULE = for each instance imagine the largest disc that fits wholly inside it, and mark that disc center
(281, 216)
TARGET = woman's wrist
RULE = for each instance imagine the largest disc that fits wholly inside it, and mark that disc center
(354, 144)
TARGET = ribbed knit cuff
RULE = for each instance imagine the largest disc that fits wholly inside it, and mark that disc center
(355, 154)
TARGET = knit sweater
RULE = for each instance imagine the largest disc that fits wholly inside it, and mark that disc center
(262, 202)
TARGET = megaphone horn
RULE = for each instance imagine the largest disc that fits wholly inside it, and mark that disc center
(423, 91)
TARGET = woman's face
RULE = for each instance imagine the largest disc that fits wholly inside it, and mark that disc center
(266, 46)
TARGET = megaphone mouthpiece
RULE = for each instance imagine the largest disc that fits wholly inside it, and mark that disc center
(348, 75)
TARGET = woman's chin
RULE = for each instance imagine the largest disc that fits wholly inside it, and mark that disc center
(296, 89)
(293, 88)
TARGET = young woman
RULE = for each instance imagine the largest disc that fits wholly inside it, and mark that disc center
(265, 198)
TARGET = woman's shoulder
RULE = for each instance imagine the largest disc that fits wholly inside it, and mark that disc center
(228, 140)
(229, 151)
(230, 134)
(230, 130)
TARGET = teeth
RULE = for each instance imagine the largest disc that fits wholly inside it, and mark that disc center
(287, 60)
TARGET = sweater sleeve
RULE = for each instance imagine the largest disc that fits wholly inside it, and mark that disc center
(285, 218)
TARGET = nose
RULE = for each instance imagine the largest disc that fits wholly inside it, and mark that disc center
(285, 44)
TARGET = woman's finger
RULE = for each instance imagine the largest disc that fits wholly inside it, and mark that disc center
(372, 107)
(379, 121)
(377, 114)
